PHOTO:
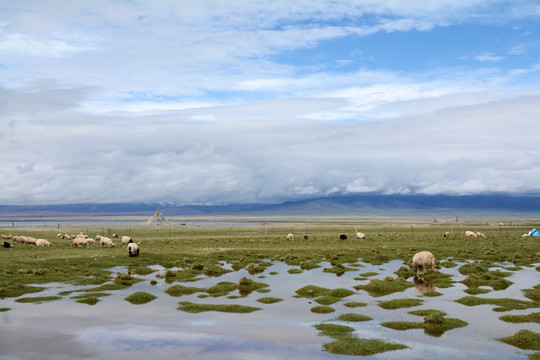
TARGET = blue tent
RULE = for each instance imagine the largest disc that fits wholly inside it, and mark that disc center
(534, 232)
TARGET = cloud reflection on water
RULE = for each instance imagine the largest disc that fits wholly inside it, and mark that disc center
(116, 329)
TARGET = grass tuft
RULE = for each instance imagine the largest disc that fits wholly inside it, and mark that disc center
(140, 297)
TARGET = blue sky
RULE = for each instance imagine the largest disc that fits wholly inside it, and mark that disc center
(258, 101)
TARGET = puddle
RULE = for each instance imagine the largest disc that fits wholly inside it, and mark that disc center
(117, 329)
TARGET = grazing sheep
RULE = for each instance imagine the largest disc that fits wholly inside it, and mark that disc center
(98, 237)
(20, 239)
(60, 236)
(306, 237)
(290, 236)
(106, 241)
(133, 249)
(115, 236)
(360, 235)
(42, 242)
(470, 234)
(126, 239)
(30, 240)
(446, 234)
(342, 237)
(6, 245)
(423, 260)
(7, 237)
(479, 234)
(82, 241)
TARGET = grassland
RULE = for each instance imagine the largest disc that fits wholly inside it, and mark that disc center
(200, 249)
(189, 252)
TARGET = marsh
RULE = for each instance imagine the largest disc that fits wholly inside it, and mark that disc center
(53, 324)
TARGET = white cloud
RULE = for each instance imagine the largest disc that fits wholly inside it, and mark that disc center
(108, 101)
(488, 57)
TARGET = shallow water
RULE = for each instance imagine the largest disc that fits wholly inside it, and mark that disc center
(116, 329)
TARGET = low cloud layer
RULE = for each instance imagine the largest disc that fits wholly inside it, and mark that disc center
(148, 109)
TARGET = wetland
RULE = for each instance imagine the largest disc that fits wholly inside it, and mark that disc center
(242, 291)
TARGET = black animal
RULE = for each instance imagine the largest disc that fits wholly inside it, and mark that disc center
(133, 249)
(342, 237)
(6, 245)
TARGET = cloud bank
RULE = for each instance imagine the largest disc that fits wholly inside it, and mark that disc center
(250, 101)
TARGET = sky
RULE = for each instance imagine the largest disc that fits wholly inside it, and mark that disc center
(247, 101)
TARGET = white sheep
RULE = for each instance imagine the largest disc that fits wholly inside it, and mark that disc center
(133, 249)
(470, 233)
(446, 234)
(98, 237)
(126, 239)
(106, 241)
(360, 235)
(479, 234)
(42, 242)
(30, 240)
(290, 236)
(423, 260)
(60, 236)
(82, 241)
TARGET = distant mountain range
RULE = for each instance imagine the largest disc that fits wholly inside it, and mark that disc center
(354, 205)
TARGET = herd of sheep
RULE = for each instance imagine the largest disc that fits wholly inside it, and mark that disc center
(421, 261)
(362, 236)
(76, 241)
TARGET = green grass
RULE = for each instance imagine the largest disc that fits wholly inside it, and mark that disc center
(228, 308)
(534, 317)
(435, 323)
(355, 304)
(349, 345)
(333, 330)
(89, 298)
(203, 247)
(400, 303)
(524, 339)
(179, 290)
(16, 290)
(322, 309)
(387, 286)
(269, 300)
(503, 304)
(327, 300)
(312, 291)
(140, 297)
(295, 271)
(533, 294)
(38, 299)
(201, 251)
(354, 317)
